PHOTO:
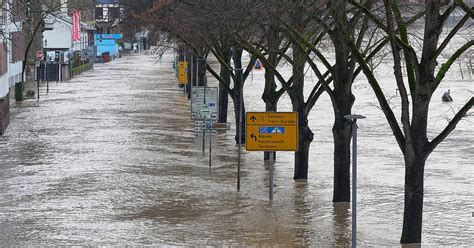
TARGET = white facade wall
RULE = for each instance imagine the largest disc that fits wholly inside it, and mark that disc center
(13, 75)
(61, 35)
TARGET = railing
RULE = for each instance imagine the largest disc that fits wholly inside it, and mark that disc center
(82, 68)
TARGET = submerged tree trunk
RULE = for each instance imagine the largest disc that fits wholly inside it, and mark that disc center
(305, 137)
(305, 134)
(342, 134)
(413, 209)
(342, 102)
(416, 153)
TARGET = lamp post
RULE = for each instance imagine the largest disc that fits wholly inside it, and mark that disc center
(45, 67)
(239, 123)
(354, 119)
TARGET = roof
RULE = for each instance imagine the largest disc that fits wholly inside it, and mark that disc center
(65, 18)
(108, 1)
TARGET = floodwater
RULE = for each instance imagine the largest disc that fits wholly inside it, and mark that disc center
(109, 158)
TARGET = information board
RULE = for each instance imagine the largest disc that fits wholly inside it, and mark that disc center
(200, 101)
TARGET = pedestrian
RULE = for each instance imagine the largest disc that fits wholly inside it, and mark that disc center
(447, 97)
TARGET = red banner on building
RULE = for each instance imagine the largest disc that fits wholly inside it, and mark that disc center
(78, 23)
(73, 26)
(76, 26)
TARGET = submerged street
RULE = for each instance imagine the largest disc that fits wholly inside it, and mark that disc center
(110, 158)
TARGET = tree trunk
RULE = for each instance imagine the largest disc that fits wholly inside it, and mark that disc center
(223, 93)
(305, 137)
(305, 134)
(269, 95)
(413, 211)
(201, 67)
(416, 153)
(238, 96)
(342, 135)
(342, 102)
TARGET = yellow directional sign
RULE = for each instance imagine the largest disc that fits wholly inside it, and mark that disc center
(271, 131)
(182, 72)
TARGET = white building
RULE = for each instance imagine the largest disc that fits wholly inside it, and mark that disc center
(12, 45)
(59, 45)
(59, 34)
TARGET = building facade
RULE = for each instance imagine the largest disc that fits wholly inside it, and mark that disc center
(12, 47)
(108, 15)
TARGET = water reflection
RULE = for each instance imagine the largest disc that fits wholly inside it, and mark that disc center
(341, 224)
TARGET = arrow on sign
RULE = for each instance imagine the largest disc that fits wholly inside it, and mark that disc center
(253, 137)
(253, 119)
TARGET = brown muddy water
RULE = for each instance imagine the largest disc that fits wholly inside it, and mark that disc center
(109, 159)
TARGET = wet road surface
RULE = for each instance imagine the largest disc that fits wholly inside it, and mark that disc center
(109, 159)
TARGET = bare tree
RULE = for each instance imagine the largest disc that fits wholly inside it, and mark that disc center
(423, 78)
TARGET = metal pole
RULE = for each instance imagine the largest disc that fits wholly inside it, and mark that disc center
(210, 141)
(354, 183)
(192, 76)
(240, 128)
(270, 164)
(203, 136)
(185, 74)
(239, 125)
(354, 175)
(197, 77)
(38, 74)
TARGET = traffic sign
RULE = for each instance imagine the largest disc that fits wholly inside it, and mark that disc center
(183, 72)
(271, 131)
(204, 97)
(39, 55)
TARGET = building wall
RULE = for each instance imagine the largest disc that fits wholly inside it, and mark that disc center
(59, 37)
(12, 44)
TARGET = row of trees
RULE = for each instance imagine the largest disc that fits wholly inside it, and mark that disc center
(357, 33)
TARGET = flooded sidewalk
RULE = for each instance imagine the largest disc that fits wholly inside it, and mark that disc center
(110, 158)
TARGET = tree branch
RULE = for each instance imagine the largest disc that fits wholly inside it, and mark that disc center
(451, 126)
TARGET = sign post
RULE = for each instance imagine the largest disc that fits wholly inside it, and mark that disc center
(269, 132)
(354, 119)
(39, 55)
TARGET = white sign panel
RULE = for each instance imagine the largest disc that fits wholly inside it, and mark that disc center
(200, 101)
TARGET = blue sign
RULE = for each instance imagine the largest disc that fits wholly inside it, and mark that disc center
(267, 130)
(108, 36)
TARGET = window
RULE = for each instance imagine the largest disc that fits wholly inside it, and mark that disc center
(105, 13)
(99, 13)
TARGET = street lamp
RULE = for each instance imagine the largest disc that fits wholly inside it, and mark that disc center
(239, 123)
(354, 119)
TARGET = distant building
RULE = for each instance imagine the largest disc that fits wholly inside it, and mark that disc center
(12, 47)
(61, 48)
(108, 15)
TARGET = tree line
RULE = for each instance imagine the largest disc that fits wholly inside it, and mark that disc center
(338, 41)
